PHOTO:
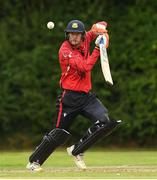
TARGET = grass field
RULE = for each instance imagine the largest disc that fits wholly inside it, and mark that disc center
(103, 164)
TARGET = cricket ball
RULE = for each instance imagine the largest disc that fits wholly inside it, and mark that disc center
(50, 25)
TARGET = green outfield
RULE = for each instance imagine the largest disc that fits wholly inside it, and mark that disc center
(104, 164)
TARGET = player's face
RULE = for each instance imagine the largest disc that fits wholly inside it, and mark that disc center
(75, 38)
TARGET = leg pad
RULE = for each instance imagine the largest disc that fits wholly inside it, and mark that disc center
(49, 143)
(93, 134)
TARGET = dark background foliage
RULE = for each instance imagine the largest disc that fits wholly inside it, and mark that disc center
(30, 72)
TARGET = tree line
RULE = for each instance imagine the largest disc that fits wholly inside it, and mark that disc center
(30, 72)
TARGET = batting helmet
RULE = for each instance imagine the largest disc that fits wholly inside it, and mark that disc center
(75, 26)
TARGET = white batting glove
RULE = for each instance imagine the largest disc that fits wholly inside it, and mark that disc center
(97, 41)
(105, 40)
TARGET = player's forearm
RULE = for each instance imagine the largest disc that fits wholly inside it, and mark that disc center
(91, 35)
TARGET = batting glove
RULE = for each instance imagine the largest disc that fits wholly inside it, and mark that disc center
(99, 28)
(98, 39)
(105, 39)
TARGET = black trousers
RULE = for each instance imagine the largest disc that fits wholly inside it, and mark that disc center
(72, 103)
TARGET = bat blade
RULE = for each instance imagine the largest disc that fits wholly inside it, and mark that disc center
(105, 64)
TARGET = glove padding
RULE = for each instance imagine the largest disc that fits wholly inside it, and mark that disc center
(106, 40)
(99, 28)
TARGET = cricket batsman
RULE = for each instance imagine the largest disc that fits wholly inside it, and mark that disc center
(76, 98)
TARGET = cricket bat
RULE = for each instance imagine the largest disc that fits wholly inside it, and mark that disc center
(104, 62)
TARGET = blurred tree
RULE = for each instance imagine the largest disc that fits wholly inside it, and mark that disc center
(30, 72)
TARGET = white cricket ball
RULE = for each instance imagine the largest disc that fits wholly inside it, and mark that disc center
(50, 25)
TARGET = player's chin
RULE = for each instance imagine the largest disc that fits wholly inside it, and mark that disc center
(75, 43)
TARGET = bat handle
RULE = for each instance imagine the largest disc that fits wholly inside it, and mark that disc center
(101, 40)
